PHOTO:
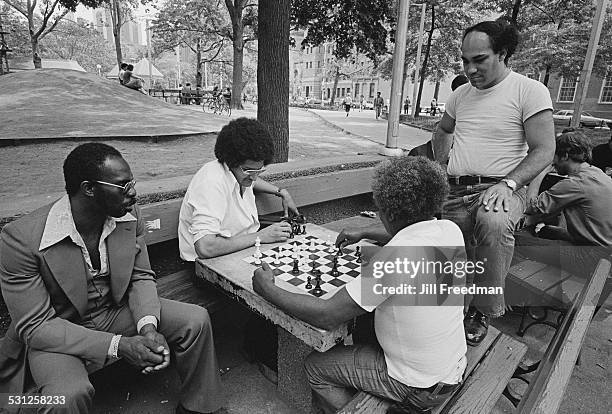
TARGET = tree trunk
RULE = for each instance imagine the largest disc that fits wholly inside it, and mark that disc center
(198, 64)
(33, 39)
(425, 59)
(404, 77)
(116, 20)
(546, 75)
(437, 90)
(336, 79)
(235, 12)
(273, 73)
(35, 53)
(516, 7)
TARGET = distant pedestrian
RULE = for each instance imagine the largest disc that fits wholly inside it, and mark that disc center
(132, 81)
(362, 103)
(379, 102)
(433, 107)
(122, 69)
(406, 105)
(347, 102)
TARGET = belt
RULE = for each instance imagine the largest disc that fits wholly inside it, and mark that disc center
(472, 179)
(442, 388)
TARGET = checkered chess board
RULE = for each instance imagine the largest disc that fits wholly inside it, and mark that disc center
(322, 254)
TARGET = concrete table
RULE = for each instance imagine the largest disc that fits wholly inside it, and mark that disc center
(296, 338)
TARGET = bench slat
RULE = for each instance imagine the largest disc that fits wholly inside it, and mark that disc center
(180, 286)
(553, 375)
(483, 388)
(364, 403)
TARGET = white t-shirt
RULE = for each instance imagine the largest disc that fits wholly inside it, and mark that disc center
(423, 345)
(213, 205)
(489, 132)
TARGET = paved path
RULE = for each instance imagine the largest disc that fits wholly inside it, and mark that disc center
(366, 125)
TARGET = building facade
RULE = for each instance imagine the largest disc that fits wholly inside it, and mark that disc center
(598, 100)
(312, 77)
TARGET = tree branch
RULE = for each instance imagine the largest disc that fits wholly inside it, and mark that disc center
(17, 7)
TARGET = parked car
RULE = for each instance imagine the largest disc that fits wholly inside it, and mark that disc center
(564, 117)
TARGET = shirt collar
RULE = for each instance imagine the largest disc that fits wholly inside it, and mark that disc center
(229, 176)
(60, 223)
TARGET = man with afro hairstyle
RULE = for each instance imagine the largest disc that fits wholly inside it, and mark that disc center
(419, 357)
(218, 215)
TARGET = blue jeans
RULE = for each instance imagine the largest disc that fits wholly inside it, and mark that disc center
(489, 237)
(336, 375)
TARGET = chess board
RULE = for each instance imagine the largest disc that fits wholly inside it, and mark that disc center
(348, 267)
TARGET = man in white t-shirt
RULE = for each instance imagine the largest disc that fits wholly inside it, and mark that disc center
(420, 356)
(503, 138)
(218, 214)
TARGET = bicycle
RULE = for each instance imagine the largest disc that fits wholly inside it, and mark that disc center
(217, 105)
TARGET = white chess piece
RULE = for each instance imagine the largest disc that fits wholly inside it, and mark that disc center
(330, 245)
(257, 254)
(276, 259)
(312, 246)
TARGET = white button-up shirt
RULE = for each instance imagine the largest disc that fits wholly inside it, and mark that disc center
(213, 205)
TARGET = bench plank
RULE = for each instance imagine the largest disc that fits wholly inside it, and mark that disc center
(555, 369)
(181, 286)
(364, 403)
(482, 390)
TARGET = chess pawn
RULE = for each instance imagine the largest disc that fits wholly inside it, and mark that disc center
(277, 259)
(308, 283)
(296, 269)
(257, 255)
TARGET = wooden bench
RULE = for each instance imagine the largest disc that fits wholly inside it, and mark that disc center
(490, 365)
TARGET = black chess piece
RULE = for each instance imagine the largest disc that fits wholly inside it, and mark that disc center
(315, 271)
(317, 290)
(334, 271)
(303, 229)
(308, 284)
(296, 268)
(358, 254)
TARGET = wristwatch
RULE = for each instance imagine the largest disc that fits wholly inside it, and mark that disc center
(510, 183)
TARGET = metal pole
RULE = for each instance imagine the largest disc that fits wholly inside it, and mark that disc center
(178, 66)
(399, 55)
(585, 75)
(415, 86)
(149, 54)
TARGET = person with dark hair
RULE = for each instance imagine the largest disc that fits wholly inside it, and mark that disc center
(406, 105)
(458, 80)
(121, 73)
(130, 80)
(583, 199)
(602, 157)
(379, 102)
(218, 215)
(419, 357)
(347, 102)
(76, 278)
(186, 94)
(502, 134)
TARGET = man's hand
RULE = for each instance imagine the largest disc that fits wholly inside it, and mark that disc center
(263, 278)
(288, 203)
(348, 236)
(149, 331)
(276, 232)
(496, 196)
(141, 351)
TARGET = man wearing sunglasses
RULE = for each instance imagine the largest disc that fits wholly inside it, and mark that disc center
(76, 279)
(218, 215)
